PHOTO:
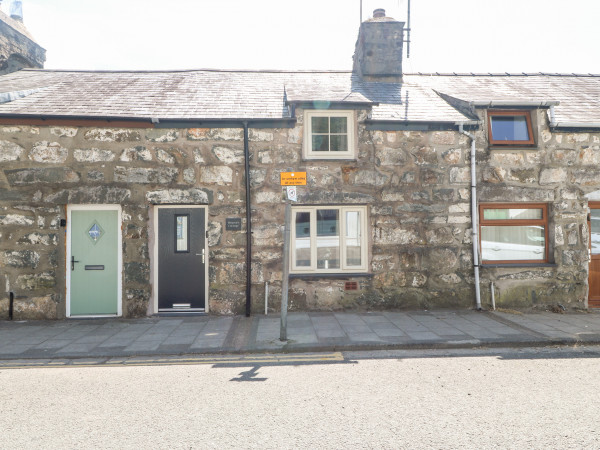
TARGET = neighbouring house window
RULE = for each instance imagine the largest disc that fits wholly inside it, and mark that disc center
(514, 233)
(328, 134)
(510, 128)
(329, 239)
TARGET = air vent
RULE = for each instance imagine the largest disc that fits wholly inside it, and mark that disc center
(351, 286)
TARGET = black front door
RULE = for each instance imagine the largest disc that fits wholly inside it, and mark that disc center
(181, 259)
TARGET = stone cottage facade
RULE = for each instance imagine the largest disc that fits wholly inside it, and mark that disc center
(125, 193)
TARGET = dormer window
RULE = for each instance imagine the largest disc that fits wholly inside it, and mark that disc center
(510, 128)
(328, 134)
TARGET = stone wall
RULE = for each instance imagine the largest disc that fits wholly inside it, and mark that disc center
(415, 185)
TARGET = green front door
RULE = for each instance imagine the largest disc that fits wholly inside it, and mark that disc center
(93, 262)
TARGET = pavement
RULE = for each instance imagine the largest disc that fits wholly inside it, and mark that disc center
(306, 332)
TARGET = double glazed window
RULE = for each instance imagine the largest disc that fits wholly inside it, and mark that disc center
(329, 239)
(510, 128)
(512, 233)
(328, 134)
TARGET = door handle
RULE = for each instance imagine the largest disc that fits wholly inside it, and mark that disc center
(73, 262)
(203, 254)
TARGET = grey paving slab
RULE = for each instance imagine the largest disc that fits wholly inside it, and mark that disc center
(138, 347)
(14, 349)
(304, 338)
(389, 332)
(330, 333)
(93, 339)
(52, 344)
(200, 344)
(363, 328)
(179, 340)
(76, 348)
(362, 337)
(423, 335)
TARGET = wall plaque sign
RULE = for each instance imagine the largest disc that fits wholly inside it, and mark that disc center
(233, 224)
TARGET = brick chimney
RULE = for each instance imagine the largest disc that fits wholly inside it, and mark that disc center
(379, 49)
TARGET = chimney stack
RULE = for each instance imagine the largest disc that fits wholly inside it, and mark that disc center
(379, 49)
(16, 10)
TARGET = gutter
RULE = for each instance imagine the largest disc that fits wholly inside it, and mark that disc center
(566, 125)
(514, 103)
(144, 121)
(474, 216)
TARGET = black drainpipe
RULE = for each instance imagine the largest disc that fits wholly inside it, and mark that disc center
(11, 306)
(248, 222)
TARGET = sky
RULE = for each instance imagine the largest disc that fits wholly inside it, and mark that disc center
(447, 35)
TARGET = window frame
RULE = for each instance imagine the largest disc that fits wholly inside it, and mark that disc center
(344, 268)
(513, 113)
(309, 153)
(515, 222)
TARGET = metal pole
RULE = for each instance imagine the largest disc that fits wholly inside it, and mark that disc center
(408, 32)
(286, 272)
(360, 11)
(266, 297)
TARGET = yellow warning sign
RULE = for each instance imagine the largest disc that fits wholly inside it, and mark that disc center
(293, 178)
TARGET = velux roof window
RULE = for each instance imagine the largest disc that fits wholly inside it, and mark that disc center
(510, 128)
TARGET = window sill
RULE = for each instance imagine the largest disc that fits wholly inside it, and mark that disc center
(319, 276)
(517, 264)
(513, 147)
(319, 158)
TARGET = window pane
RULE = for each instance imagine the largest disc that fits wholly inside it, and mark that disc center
(302, 248)
(339, 125)
(513, 243)
(181, 230)
(595, 225)
(509, 128)
(328, 239)
(339, 143)
(320, 124)
(353, 250)
(320, 143)
(508, 214)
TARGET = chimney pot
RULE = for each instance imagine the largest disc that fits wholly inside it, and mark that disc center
(378, 13)
(16, 10)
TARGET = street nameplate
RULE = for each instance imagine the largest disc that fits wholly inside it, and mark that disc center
(233, 224)
(293, 178)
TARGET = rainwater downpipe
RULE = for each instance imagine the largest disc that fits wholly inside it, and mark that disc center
(474, 216)
(248, 221)
(552, 117)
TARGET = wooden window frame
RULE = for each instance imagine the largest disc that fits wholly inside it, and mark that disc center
(344, 268)
(515, 222)
(526, 114)
(350, 116)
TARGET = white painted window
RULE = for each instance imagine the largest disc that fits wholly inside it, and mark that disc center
(329, 134)
(329, 239)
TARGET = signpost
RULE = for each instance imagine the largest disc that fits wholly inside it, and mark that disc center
(290, 180)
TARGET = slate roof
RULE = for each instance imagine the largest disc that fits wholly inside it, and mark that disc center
(229, 94)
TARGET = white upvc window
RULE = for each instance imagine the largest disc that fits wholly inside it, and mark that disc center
(329, 239)
(329, 134)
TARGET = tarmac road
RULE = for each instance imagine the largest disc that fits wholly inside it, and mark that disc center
(498, 398)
